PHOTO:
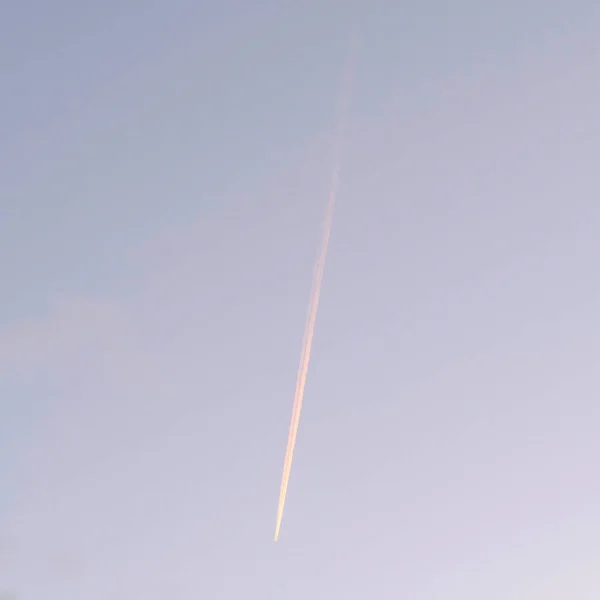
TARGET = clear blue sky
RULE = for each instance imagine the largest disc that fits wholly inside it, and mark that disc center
(163, 172)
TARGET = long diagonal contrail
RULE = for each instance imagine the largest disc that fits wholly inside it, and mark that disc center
(313, 304)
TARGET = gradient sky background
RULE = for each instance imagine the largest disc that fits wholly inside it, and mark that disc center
(164, 170)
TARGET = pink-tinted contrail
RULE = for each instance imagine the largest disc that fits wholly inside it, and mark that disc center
(313, 303)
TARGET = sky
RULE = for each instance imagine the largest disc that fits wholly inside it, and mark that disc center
(164, 169)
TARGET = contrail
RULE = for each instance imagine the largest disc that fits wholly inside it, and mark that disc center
(313, 306)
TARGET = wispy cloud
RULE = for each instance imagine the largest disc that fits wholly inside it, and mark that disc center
(76, 335)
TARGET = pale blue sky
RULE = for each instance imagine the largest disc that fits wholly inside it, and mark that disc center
(164, 169)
